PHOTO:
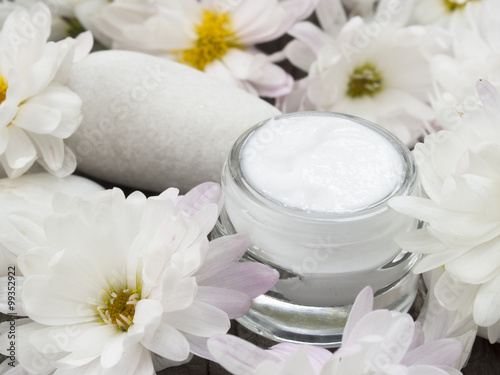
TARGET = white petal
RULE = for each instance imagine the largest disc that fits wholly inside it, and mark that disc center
(199, 319)
(20, 150)
(37, 118)
(454, 294)
(486, 310)
(47, 307)
(168, 342)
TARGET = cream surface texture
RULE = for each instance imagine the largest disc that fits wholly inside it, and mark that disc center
(151, 123)
(322, 164)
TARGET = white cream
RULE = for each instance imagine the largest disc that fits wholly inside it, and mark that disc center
(311, 191)
(322, 164)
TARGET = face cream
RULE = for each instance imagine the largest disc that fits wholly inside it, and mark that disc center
(311, 191)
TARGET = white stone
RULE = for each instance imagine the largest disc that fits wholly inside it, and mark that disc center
(151, 123)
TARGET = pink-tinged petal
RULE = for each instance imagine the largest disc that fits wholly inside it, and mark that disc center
(168, 342)
(418, 336)
(486, 305)
(250, 278)
(200, 196)
(436, 353)
(222, 252)
(46, 307)
(199, 319)
(235, 304)
(362, 306)
(317, 356)
(488, 94)
(237, 355)
(206, 218)
(309, 34)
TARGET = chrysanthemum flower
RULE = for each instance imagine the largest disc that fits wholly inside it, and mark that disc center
(374, 342)
(458, 168)
(63, 16)
(452, 14)
(131, 283)
(476, 55)
(216, 37)
(375, 69)
(37, 110)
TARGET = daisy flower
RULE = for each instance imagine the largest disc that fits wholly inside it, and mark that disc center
(374, 342)
(37, 110)
(452, 14)
(216, 37)
(376, 69)
(130, 285)
(458, 168)
(476, 54)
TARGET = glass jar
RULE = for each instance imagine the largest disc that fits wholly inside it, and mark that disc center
(324, 258)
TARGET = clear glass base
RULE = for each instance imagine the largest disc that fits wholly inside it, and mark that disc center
(313, 309)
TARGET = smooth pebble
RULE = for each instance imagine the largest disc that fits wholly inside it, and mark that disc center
(150, 123)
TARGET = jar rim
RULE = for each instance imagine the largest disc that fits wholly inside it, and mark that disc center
(405, 187)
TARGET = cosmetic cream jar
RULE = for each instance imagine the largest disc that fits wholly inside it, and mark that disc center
(311, 191)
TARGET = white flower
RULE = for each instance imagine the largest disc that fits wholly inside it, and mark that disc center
(375, 69)
(62, 14)
(374, 342)
(459, 171)
(215, 36)
(452, 14)
(476, 55)
(120, 284)
(31, 197)
(37, 110)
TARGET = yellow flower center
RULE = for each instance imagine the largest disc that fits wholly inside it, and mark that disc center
(365, 80)
(215, 38)
(119, 308)
(3, 89)
(453, 5)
